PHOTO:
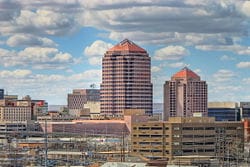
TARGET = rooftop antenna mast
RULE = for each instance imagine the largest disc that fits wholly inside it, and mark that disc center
(93, 86)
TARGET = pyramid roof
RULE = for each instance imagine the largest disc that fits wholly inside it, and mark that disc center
(127, 45)
(186, 73)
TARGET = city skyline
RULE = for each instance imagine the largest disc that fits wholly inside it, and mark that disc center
(47, 49)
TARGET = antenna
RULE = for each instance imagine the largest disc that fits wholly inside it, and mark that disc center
(93, 86)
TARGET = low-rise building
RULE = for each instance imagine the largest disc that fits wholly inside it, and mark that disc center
(18, 110)
(244, 110)
(229, 111)
(79, 98)
(86, 127)
(224, 111)
(9, 129)
(192, 136)
(94, 108)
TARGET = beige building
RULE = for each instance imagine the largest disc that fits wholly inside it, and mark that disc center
(79, 98)
(14, 117)
(126, 80)
(185, 95)
(224, 111)
(189, 137)
(19, 110)
(94, 108)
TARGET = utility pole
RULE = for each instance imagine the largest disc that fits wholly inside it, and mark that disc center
(46, 143)
(123, 147)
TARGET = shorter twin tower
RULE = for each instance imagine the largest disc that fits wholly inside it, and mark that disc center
(185, 95)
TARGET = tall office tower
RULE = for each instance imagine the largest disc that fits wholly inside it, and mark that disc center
(126, 79)
(1, 93)
(185, 95)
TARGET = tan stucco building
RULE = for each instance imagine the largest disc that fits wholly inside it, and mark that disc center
(190, 136)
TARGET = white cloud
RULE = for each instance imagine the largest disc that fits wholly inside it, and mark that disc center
(241, 50)
(53, 87)
(123, 18)
(246, 8)
(37, 58)
(155, 69)
(46, 22)
(61, 6)
(225, 92)
(177, 65)
(198, 71)
(19, 73)
(96, 51)
(227, 58)
(29, 40)
(171, 53)
(9, 9)
(223, 75)
(62, 57)
(90, 74)
(173, 38)
(41, 22)
(246, 80)
(243, 65)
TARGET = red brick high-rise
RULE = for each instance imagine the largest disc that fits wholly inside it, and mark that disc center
(126, 79)
(185, 95)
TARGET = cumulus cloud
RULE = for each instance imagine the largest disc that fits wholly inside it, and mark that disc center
(45, 22)
(197, 71)
(9, 9)
(173, 38)
(246, 80)
(95, 51)
(29, 40)
(246, 8)
(243, 65)
(241, 50)
(209, 17)
(227, 58)
(62, 6)
(40, 22)
(90, 75)
(15, 74)
(54, 87)
(177, 65)
(223, 75)
(124, 19)
(155, 69)
(37, 58)
(170, 53)
(115, 17)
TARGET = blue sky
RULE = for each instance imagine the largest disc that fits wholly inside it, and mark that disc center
(48, 48)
